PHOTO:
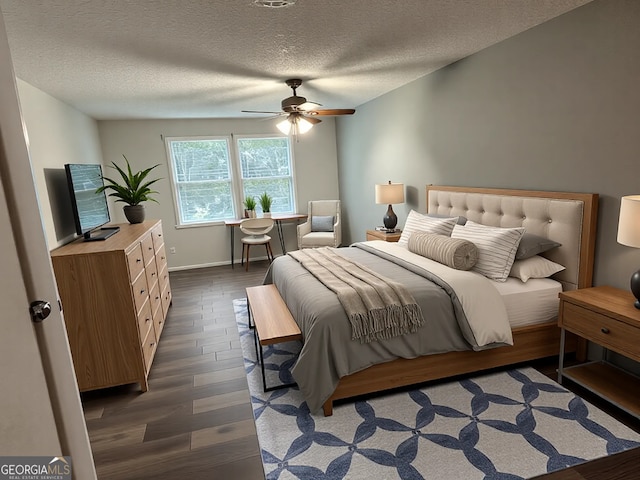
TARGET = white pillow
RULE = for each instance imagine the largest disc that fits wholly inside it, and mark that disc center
(417, 222)
(534, 267)
(496, 247)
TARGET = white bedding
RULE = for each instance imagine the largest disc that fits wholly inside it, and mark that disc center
(530, 303)
(485, 313)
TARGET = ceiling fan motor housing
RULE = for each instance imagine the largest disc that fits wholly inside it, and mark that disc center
(289, 104)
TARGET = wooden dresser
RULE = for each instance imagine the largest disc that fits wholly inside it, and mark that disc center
(115, 295)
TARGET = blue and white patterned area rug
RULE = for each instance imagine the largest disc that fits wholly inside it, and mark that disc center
(510, 425)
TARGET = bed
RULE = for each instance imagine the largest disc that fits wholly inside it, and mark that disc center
(326, 371)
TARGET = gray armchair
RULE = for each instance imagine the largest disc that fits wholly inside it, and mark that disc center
(322, 228)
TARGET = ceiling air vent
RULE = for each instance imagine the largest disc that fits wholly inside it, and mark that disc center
(274, 3)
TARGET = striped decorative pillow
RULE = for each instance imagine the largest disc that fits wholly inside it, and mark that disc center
(452, 252)
(496, 247)
(417, 222)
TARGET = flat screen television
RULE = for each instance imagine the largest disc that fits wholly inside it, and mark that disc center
(90, 209)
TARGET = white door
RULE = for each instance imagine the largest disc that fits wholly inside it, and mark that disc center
(40, 408)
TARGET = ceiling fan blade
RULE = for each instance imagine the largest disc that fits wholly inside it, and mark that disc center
(308, 106)
(260, 111)
(311, 120)
(332, 111)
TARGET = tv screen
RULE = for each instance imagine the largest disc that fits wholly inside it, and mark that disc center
(90, 209)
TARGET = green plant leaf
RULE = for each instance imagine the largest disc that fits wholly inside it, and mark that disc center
(131, 190)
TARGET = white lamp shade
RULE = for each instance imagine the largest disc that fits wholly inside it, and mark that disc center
(304, 125)
(294, 124)
(284, 126)
(629, 222)
(390, 193)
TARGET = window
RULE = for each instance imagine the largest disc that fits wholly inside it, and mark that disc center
(265, 166)
(211, 179)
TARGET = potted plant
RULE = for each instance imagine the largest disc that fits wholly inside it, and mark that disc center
(265, 203)
(250, 207)
(133, 190)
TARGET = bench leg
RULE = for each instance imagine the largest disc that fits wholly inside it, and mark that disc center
(260, 357)
(251, 327)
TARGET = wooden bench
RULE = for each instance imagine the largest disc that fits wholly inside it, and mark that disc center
(272, 321)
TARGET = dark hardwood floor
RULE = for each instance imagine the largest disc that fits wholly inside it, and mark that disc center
(195, 422)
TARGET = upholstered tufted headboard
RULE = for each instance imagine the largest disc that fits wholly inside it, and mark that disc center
(567, 218)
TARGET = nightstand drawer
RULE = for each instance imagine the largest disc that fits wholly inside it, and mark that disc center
(606, 331)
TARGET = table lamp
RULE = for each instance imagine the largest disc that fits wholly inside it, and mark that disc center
(629, 234)
(389, 194)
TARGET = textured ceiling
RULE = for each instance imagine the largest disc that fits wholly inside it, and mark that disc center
(187, 59)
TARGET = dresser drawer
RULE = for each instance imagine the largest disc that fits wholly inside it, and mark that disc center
(161, 258)
(148, 252)
(601, 329)
(166, 299)
(151, 271)
(145, 320)
(158, 238)
(149, 349)
(158, 321)
(154, 296)
(135, 260)
(140, 291)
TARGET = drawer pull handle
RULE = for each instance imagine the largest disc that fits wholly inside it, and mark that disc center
(141, 291)
(138, 260)
(604, 330)
(147, 320)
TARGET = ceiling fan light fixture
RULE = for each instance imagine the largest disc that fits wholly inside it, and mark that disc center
(304, 125)
(274, 3)
(284, 126)
(294, 124)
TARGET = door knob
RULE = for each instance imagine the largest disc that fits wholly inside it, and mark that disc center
(39, 310)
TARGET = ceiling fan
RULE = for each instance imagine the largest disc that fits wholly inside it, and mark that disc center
(300, 112)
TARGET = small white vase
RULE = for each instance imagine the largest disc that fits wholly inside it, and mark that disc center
(266, 214)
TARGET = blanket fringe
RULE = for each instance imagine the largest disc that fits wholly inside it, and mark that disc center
(384, 323)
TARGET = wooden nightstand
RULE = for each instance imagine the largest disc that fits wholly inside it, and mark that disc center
(605, 316)
(387, 237)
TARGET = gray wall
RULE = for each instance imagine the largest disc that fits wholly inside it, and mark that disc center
(58, 134)
(554, 108)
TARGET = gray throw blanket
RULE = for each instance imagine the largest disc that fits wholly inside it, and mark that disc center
(377, 307)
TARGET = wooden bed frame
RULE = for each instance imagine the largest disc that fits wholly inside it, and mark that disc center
(540, 212)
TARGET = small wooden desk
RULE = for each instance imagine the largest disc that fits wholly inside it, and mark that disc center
(278, 218)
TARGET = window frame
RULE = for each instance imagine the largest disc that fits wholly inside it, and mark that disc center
(237, 164)
(236, 180)
(174, 184)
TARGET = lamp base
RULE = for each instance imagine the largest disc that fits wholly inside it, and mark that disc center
(635, 288)
(390, 220)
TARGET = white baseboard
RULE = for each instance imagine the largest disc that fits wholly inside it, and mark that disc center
(212, 264)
